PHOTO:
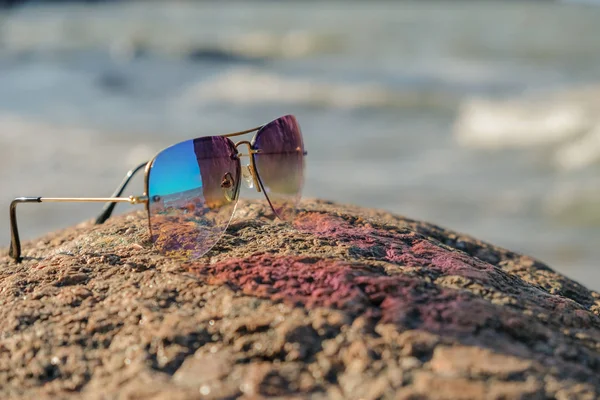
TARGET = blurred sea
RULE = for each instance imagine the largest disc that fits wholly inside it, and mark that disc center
(480, 117)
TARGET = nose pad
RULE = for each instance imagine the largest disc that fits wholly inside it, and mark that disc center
(248, 177)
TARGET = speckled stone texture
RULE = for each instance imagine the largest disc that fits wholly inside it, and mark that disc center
(348, 303)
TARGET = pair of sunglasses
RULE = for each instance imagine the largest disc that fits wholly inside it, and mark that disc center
(192, 188)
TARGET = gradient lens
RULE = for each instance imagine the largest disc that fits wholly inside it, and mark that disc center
(192, 189)
(280, 164)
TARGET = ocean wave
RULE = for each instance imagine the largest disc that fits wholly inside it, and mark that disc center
(498, 124)
(252, 86)
(566, 122)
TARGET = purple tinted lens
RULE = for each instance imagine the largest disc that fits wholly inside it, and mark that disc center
(280, 164)
(192, 190)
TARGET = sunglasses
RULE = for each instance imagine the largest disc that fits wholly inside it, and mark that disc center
(192, 188)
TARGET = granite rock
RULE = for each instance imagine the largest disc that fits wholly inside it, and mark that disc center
(346, 303)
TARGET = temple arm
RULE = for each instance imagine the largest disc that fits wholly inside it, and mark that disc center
(15, 243)
(109, 207)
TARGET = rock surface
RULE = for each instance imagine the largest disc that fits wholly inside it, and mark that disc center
(349, 303)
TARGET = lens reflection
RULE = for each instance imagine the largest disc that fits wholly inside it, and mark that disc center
(280, 164)
(192, 190)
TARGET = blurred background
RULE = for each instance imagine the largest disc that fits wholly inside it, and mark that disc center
(483, 117)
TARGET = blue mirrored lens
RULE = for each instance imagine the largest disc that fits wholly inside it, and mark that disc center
(192, 190)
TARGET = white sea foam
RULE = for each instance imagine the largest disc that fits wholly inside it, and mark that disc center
(251, 86)
(566, 122)
(499, 124)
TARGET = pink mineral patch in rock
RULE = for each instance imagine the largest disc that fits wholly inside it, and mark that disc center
(410, 249)
(401, 248)
(356, 288)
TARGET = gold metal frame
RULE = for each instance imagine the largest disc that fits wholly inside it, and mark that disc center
(227, 135)
(15, 245)
(130, 199)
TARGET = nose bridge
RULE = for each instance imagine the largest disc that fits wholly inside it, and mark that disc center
(244, 142)
(249, 169)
